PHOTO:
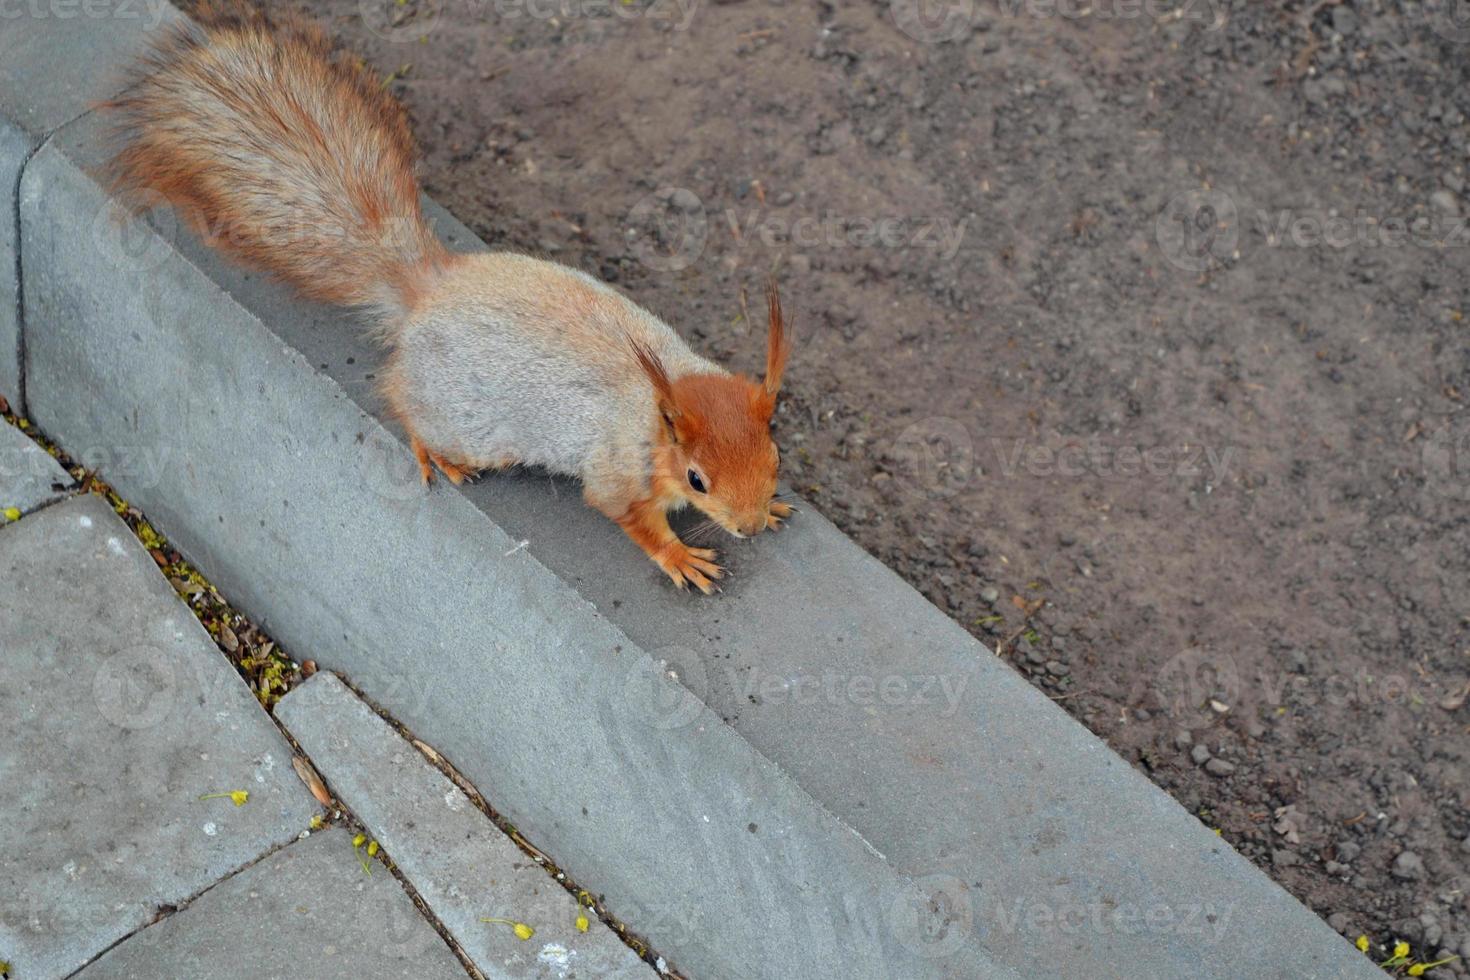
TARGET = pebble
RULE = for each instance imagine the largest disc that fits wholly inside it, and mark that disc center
(1219, 767)
(989, 595)
(1057, 669)
(1408, 866)
(1200, 754)
(1446, 201)
(1348, 851)
(1183, 739)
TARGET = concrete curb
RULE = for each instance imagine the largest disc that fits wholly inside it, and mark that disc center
(820, 698)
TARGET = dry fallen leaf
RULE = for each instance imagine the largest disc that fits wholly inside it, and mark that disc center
(312, 780)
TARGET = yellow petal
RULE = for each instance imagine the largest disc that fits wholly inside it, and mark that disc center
(239, 796)
(1400, 950)
(582, 923)
(372, 849)
(357, 841)
(524, 931)
(1417, 970)
(12, 513)
(1362, 944)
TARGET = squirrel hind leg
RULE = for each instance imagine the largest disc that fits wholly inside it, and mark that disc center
(457, 474)
(421, 453)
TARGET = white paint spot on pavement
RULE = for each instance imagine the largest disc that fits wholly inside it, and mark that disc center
(210, 830)
(557, 957)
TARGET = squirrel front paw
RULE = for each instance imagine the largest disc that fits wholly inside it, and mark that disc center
(690, 566)
(775, 520)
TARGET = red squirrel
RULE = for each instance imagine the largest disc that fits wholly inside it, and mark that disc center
(293, 160)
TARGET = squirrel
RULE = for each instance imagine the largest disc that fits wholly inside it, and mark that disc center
(293, 160)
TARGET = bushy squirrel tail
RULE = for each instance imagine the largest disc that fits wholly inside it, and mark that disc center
(284, 155)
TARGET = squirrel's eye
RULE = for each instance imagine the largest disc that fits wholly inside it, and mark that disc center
(696, 482)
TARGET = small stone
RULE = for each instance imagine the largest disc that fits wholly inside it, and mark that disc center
(1333, 868)
(1200, 754)
(1219, 767)
(1446, 201)
(1285, 859)
(1141, 714)
(1057, 669)
(1184, 740)
(989, 595)
(1344, 21)
(1407, 866)
(1340, 922)
(1348, 851)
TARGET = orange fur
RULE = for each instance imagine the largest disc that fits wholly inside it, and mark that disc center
(718, 425)
(285, 157)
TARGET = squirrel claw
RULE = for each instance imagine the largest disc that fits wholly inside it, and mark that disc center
(692, 566)
(775, 520)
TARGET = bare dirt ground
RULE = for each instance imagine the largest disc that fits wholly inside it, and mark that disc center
(1135, 339)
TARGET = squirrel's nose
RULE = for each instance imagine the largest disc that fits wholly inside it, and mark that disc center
(752, 527)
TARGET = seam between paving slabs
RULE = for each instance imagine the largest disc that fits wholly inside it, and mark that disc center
(585, 898)
(339, 813)
(20, 296)
(167, 911)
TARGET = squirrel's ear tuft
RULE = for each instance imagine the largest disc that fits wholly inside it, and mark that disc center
(663, 388)
(658, 376)
(778, 342)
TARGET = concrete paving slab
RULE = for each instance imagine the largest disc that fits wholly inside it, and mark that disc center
(117, 713)
(29, 477)
(462, 865)
(307, 910)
